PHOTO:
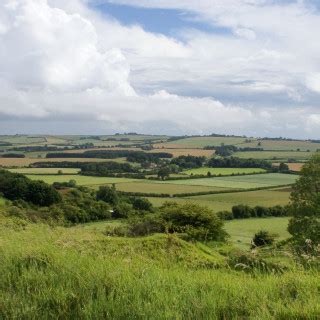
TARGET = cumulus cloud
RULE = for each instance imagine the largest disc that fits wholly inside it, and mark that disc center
(60, 61)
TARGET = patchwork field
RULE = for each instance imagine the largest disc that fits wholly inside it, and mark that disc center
(274, 155)
(200, 142)
(24, 162)
(223, 171)
(242, 231)
(225, 201)
(285, 145)
(81, 180)
(240, 182)
(45, 171)
(186, 152)
(149, 187)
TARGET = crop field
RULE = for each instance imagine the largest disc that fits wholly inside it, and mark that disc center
(285, 145)
(24, 162)
(242, 231)
(292, 166)
(149, 187)
(81, 180)
(186, 152)
(223, 171)
(200, 142)
(240, 182)
(225, 201)
(23, 139)
(45, 171)
(274, 155)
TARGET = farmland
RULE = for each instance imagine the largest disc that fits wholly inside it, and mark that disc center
(223, 171)
(45, 171)
(241, 182)
(242, 231)
(274, 155)
(225, 201)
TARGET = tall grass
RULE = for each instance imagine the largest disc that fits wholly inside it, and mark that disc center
(60, 273)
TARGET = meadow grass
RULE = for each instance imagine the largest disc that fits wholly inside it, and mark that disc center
(241, 231)
(72, 273)
(80, 180)
(223, 171)
(274, 155)
(240, 182)
(45, 171)
(225, 201)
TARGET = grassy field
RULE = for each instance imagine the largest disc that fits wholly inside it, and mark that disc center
(274, 155)
(240, 182)
(150, 187)
(24, 162)
(186, 152)
(285, 145)
(241, 231)
(200, 142)
(45, 170)
(225, 201)
(81, 180)
(223, 171)
(73, 273)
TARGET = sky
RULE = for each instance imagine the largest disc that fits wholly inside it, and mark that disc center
(244, 67)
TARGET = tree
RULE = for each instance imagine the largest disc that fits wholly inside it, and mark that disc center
(108, 194)
(305, 203)
(163, 173)
(283, 167)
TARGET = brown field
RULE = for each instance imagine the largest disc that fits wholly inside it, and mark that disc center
(292, 166)
(24, 162)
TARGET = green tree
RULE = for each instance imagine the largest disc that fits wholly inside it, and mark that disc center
(305, 203)
(163, 173)
(108, 194)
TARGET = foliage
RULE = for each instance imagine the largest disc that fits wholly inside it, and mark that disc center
(263, 238)
(188, 162)
(305, 205)
(232, 162)
(108, 195)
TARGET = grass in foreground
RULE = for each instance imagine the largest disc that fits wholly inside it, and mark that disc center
(79, 274)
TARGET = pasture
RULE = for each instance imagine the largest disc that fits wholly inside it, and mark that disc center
(223, 171)
(201, 142)
(274, 155)
(241, 231)
(240, 182)
(225, 201)
(25, 162)
(80, 180)
(45, 171)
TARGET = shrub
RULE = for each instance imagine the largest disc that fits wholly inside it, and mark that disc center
(263, 238)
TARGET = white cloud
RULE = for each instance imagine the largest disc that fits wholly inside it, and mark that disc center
(61, 60)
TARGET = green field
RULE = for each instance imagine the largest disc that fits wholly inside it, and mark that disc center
(225, 201)
(274, 155)
(241, 231)
(200, 142)
(81, 180)
(284, 145)
(240, 182)
(223, 171)
(45, 171)
(151, 187)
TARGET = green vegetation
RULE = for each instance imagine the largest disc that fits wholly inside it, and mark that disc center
(274, 155)
(242, 231)
(240, 182)
(45, 171)
(224, 171)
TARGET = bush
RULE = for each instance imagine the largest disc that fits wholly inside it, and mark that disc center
(142, 204)
(108, 194)
(263, 238)
(242, 212)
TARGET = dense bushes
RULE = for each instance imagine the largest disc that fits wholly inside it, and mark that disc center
(232, 162)
(16, 186)
(263, 238)
(188, 162)
(243, 212)
(13, 155)
(106, 168)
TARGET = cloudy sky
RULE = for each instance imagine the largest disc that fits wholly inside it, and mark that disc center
(160, 66)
